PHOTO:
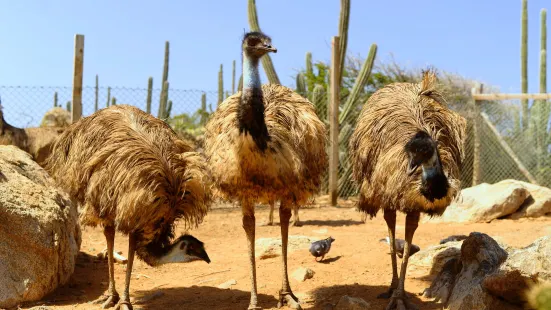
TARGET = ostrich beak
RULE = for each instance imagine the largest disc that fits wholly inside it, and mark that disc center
(271, 48)
(204, 256)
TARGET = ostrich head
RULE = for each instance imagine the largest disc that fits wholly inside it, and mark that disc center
(257, 44)
(422, 152)
(183, 250)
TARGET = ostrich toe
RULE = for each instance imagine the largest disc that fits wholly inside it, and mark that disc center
(297, 224)
(124, 305)
(290, 300)
(399, 301)
(107, 301)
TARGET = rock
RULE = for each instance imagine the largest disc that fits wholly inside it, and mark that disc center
(352, 303)
(40, 141)
(40, 233)
(484, 203)
(537, 204)
(271, 247)
(534, 259)
(56, 117)
(302, 274)
(227, 284)
(435, 257)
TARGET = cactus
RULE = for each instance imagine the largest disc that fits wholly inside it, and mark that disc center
(227, 95)
(69, 106)
(301, 85)
(233, 78)
(524, 62)
(309, 72)
(543, 52)
(240, 84)
(108, 96)
(163, 100)
(539, 296)
(363, 76)
(266, 59)
(319, 99)
(204, 114)
(220, 85)
(149, 95)
(55, 99)
(343, 34)
(168, 109)
(113, 101)
(96, 95)
(539, 114)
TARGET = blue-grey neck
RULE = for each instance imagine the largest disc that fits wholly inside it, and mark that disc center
(251, 75)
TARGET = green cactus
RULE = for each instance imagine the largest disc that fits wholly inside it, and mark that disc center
(361, 81)
(204, 112)
(55, 99)
(227, 95)
(240, 84)
(319, 99)
(343, 34)
(524, 62)
(543, 52)
(96, 94)
(221, 85)
(163, 100)
(266, 59)
(539, 113)
(301, 85)
(233, 78)
(309, 72)
(168, 109)
(114, 101)
(539, 296)
(69, 106)
(108, 96)
(149, 95)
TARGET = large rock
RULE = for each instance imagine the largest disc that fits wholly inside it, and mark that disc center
(435, 257)
(487, 275)
(537, 204)
(39, 230)
(56, 117)
(40, 142)
(271, 247)
(484, 203)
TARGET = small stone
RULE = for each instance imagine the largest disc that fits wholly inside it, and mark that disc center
(227, 284)
(352, 303)
(302, 274)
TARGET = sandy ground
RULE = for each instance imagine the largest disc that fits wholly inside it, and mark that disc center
(358, 264)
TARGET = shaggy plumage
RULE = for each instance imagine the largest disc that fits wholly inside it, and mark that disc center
(390, 118)
(292, 164)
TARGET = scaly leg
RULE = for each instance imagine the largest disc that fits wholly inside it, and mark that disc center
(112, 296)
(286, 296)
(390, 219)
(124, 303)
(296, 220)
(249, 226)
(399, 299)
(270, 221)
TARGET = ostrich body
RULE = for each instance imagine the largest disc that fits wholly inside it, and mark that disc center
(130, 173)
(265, 144)
(406, 152)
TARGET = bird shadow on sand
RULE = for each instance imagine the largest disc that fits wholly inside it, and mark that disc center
(331, 223)
(332, 294)
(330, 260)
(200, 297)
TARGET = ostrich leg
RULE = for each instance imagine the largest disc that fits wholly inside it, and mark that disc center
(112, 296)
(124, 303)
(390, 219)
(286, 296)
(399, 299)
(249, 226)
(270, 221)
(296, 220)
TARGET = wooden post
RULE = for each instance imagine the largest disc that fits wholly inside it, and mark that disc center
(334, 121)
(476, 136)
(77, 78)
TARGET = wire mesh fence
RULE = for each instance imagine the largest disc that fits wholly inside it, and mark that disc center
(506, 148)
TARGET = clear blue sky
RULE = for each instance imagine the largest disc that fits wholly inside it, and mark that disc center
(124, 40)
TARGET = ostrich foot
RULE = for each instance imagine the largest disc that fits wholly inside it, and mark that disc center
(254, 308)
(268, 223)
(399, 301)
(297, 224)
(124, 305)
(387, 294)
(107, 301)
(289, 299)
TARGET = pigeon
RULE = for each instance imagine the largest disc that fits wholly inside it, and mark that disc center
(454, 238)
(321, 248)
(399, 246)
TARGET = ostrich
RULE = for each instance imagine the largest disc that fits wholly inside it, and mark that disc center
(265, 144)
(406, 152)
(130, 173)
(296, 220)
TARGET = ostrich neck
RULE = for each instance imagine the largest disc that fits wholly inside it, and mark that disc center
(250, 112)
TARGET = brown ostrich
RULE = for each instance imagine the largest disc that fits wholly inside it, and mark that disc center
(296, 220)
(406, 152)
(130, 173)
(265, 144)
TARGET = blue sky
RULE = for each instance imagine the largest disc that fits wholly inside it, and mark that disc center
(124, 40)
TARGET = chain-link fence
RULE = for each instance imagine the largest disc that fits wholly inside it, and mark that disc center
(506, 149)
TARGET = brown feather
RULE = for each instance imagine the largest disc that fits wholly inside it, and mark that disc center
(129, 170)
(291, 167)
(391, 116)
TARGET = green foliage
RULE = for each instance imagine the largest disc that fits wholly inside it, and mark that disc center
(343, 34)
(301, 85)
(55, 99)
(309, 71)
(168, 108)
(114, 101)
(266, 59)
(319, 99)
(221, 84)
(203, 111)
(524, 62)
(96, 94)
(149, 95)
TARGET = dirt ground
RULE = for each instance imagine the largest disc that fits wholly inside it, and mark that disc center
(358, 264)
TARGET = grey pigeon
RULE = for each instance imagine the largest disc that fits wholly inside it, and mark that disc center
(399, 246)
(454, 238)
(321, 248)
